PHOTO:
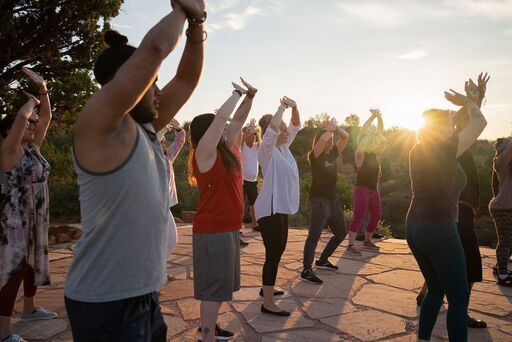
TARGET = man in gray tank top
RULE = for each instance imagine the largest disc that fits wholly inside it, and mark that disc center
(120, 259)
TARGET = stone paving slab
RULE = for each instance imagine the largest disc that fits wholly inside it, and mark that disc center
(368, 325)
(371, 297)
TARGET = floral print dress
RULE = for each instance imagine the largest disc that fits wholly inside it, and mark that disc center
(24, 220)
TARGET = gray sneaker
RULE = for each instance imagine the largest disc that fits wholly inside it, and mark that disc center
(14, 338)
(38, 314)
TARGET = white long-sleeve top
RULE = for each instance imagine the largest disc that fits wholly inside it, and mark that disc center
(280, 192)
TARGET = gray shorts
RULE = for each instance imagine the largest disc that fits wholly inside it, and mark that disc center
(216, 266)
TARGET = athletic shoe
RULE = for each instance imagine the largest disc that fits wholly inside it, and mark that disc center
(326, 265)
(370, 245)
(38, 314)
(220, 334)
(495, 270)
(351, 249)
(507, 281)
(310, 277)
(13, 338)
(276, 293)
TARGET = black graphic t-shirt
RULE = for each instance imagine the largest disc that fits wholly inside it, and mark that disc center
(324, 170)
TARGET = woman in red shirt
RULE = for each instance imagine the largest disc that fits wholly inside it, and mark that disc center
(215, 168)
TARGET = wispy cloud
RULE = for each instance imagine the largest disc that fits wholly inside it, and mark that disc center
(491, 9)
(236, 20)
(221, 5)
(374, 14)
(394, 13)
(414, 54)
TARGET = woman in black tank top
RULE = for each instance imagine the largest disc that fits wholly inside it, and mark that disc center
(366, 194)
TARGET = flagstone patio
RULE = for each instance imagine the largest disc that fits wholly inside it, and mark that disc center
(370, 298)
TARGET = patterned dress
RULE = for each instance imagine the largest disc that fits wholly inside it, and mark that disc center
(24, 220)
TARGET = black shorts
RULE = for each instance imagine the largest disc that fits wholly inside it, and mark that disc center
(251, 191)
(136, 319)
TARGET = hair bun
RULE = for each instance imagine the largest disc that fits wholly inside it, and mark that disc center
(115, 39)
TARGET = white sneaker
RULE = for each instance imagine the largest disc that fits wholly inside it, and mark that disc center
(14, 338)
(38, 314)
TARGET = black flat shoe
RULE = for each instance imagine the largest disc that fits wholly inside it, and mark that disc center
(419, 299)
(282, 313)
(476, 323)
(276, 293)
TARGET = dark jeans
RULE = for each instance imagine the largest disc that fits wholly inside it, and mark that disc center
(136, 319)
(324, 212)
(438, 251)
(274, 231)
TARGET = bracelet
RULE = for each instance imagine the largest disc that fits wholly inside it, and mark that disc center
(43, 93)
(198, 20)
(205, 36)
(238, 92)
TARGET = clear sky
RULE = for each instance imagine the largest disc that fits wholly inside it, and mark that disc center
(346, 56)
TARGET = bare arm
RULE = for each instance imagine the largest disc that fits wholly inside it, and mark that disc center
(342, 141)
(380, 124)
(233, 132)
(45, 109)
(109, 105)
(475, 127)
(321, 143)
(359, 156)
(367, 124)
(206, 152)
(177, 92)
(11, 144)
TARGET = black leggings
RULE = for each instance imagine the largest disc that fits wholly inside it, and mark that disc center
(274, 231)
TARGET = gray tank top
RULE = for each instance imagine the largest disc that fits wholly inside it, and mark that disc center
(122, 251)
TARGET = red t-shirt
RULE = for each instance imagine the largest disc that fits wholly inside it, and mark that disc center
(221, 201)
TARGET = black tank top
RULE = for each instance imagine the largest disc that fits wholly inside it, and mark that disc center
(368, 174)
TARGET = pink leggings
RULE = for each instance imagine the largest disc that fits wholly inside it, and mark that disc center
(365, 200)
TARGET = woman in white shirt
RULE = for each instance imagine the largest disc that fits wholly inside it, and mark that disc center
(250, 145)
(279, 195)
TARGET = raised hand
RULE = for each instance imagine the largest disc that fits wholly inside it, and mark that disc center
(32, 97)
(289, 102)
(331, 125)
(192, 8)
(375, 112)
(174, 124)
(456, 98)
(283, 102)
(251, 91)
(35, 77)
(251, 126)
(482, 84)
(471, 90)
(239, 88)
